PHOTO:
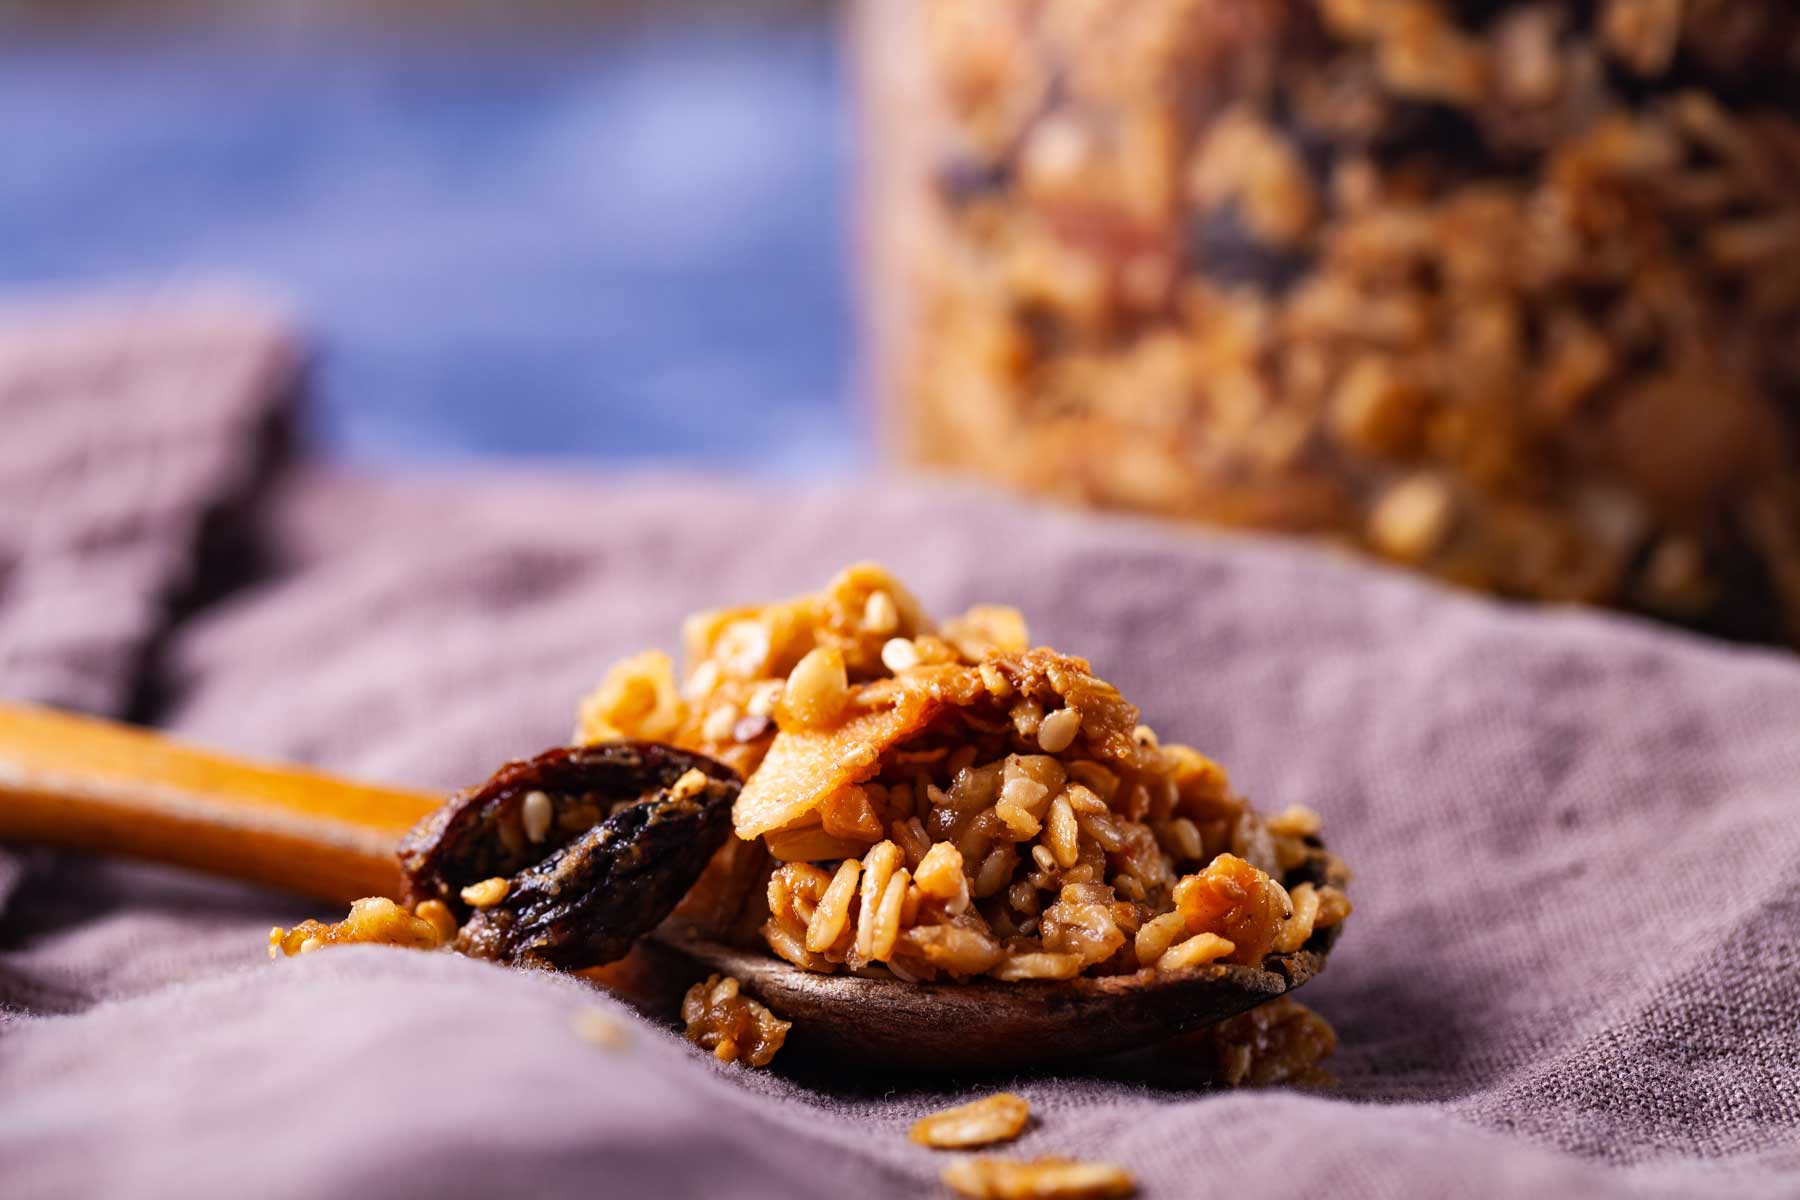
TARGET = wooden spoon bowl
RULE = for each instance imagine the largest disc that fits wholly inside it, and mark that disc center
(877, 1019)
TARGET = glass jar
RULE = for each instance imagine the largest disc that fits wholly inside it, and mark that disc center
(1508, 292)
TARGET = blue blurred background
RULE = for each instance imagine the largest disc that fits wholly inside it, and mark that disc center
(580, 239)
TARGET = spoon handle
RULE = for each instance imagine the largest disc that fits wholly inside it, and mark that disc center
(86, 784)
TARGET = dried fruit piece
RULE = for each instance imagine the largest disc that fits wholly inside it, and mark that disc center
(997, 1118)
(592, 883)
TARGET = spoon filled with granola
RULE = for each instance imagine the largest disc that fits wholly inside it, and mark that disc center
(921, 844)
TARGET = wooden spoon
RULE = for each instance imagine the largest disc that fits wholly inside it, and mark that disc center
(86, 784)
(883, 1021)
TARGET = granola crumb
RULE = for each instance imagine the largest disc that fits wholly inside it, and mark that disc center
(720, 1018)
(439, 916)
(601, 1028)
(1281, 1042)
(373, 920)
(1296, 820)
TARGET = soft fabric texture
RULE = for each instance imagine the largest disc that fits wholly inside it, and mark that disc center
(122, 423)
(1572, 969)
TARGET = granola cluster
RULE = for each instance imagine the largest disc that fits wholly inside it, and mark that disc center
(1281, 1042)
(1506, 291)
(737, 1029)
(942, 802)
(374, 920)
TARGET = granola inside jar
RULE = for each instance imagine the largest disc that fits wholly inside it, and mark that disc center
(1504, 291)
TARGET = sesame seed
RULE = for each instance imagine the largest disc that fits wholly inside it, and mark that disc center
(535, 814)
(485, 894)
(691, 783)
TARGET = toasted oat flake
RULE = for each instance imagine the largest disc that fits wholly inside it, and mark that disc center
(997, 1118)
(742, 649)
(833, 911)
(984, 1178)
(701, 683)
(1196, 951)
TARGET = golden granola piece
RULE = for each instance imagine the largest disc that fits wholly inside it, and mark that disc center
(804, 767)
(997, 1118)
(946, 803)
(373, 920)
(1039, 1179)
(1281, 1042)
(734, 1027)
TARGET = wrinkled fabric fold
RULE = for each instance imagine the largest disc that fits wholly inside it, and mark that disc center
(126, 423)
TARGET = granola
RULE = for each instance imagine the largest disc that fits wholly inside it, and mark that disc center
(1507, 292)
(942, 802)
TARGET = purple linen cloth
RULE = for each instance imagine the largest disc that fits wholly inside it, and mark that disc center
(123, 422)
(1573, 967)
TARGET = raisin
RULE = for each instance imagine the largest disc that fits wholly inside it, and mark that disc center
(632, 824)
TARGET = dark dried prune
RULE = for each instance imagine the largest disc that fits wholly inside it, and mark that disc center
(596, 844)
